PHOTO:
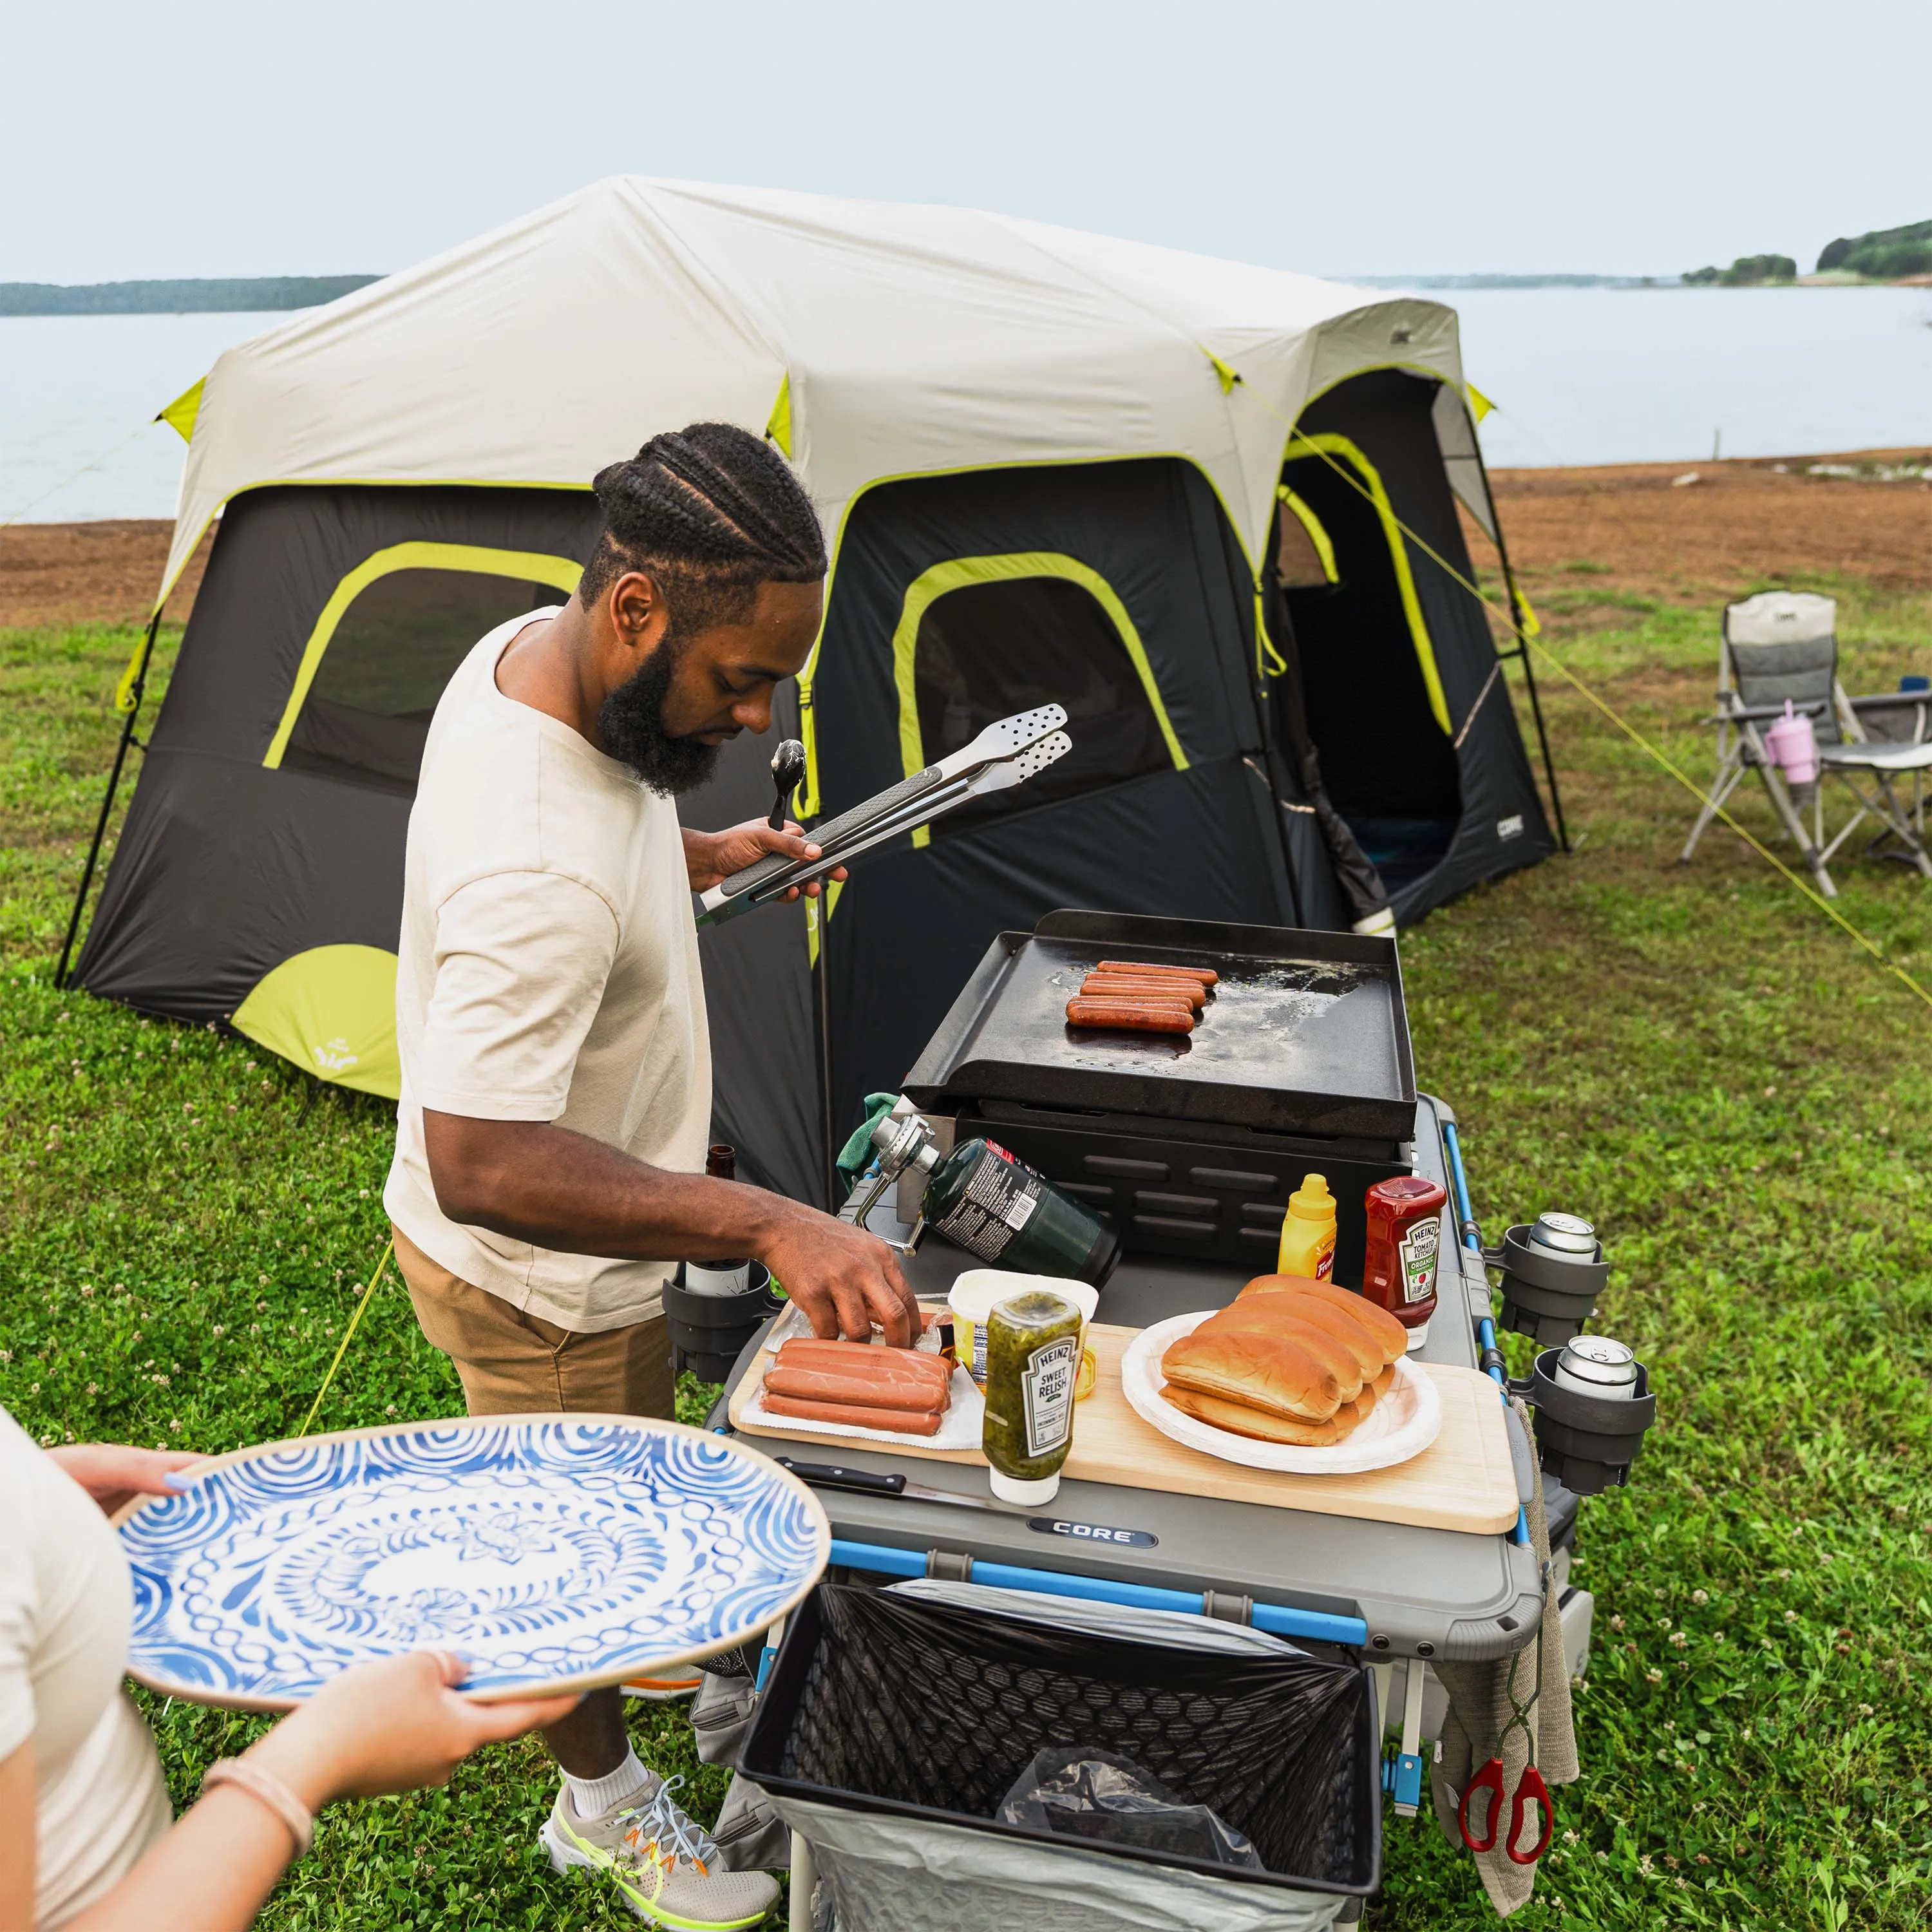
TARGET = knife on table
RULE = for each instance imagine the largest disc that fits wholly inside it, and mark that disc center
(871, 1483)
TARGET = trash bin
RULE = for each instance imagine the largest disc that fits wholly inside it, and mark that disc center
(891, 1729)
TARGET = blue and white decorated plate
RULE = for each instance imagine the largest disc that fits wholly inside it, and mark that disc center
(554, 1553)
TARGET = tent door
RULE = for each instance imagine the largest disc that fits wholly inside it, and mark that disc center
(1372, 698)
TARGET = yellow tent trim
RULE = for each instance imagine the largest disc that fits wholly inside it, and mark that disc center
(1341, 447)
(779, 427)
(180, 414)
(1480, 405)
(1318, 536)
(332, 1011)
(561, 573)
(1228, 374)
(1532, 624)
(124, 690)
(1269, 662)
(955, 574)
(817, 909)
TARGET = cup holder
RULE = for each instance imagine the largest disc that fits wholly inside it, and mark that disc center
(708, 1332)
(1545, 1296)
(1587, 1442)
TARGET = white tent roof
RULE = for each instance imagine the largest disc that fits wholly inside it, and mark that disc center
(903, 340)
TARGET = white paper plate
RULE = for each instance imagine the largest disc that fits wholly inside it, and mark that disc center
(1406, 1420)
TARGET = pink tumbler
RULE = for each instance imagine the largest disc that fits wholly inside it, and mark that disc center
(1793, 747)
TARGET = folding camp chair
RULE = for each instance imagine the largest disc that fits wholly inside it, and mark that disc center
(1783, 645)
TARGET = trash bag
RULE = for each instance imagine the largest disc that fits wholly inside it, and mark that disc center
(1076, 1792)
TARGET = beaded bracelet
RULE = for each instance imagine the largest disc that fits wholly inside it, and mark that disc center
(271, 1791)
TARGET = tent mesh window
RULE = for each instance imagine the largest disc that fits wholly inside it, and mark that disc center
(984, 651)
(366, 714)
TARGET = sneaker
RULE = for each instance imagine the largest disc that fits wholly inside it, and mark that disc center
(662, 1690)
(665, 1865)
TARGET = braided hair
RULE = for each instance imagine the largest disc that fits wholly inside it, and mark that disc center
(709, 513)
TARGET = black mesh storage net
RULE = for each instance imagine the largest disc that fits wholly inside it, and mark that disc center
(876, 1698)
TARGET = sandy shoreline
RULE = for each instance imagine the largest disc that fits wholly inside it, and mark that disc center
(1743, 522)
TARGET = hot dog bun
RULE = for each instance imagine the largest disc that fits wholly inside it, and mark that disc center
(1274, 1315)
(1390, 1336)
(1240, 1419)
(1271, 1372)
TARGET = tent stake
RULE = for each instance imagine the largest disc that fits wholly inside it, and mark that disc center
(107, 803)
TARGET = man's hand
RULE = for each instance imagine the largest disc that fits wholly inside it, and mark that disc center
(535, 1181)
(844, 1279)
(113, 1475)
(712, 857)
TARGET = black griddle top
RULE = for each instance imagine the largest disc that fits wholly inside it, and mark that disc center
(1306, 1033)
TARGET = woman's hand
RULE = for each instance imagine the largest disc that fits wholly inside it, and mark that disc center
(113, 1474)
(395, 1726)
(711, 857)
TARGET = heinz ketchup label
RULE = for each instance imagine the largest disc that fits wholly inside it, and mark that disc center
(1405, 1246)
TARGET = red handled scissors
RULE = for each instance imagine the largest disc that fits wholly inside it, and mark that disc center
(1530, 1788)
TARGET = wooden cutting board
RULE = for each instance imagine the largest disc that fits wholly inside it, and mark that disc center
(1465, 1480)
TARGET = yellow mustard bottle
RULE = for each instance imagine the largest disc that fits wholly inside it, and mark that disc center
(1308, 1231)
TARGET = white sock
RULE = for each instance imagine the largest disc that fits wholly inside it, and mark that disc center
(594, 1796)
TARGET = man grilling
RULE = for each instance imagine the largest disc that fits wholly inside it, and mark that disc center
(556, 1063)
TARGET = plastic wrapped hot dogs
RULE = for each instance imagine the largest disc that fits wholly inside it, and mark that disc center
(900, 1421)
(860, 1385)
(856, 1373)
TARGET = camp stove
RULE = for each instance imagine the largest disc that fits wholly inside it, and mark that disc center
(1192, 1143)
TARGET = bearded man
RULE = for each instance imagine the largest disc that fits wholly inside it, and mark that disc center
(557, 1068)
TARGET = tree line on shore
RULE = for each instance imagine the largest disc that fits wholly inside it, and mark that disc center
(1882, 255)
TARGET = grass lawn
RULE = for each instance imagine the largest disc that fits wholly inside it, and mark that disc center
(1695, 1058)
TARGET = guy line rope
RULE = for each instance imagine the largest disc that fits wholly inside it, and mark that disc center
(314, 1408)
(1510, 620)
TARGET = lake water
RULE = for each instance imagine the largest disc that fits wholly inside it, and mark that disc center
(1651, 375)
(1579, 376)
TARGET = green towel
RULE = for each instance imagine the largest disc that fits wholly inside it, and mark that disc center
(858, 1154)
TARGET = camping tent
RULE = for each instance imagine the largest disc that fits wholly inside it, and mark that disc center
(1210, 508)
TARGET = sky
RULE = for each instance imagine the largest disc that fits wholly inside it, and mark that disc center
(204, 137)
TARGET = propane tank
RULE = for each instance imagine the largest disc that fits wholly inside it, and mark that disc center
(994, 1206)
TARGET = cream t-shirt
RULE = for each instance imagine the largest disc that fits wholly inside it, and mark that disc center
(67, 1608)
(548, 971)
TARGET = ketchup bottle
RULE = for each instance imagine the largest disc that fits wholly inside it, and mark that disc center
(1405, 1241)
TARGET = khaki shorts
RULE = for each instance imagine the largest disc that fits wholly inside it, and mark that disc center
(512, 1363)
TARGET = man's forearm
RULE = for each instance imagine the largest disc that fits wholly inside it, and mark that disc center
(539, 1182)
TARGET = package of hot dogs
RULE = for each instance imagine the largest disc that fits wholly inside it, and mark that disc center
(859, 1385)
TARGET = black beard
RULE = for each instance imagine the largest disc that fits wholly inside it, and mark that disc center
(631, 723)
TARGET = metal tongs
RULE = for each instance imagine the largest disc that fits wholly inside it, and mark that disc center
(1006, 754)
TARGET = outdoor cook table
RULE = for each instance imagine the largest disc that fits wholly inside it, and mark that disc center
(1391, 1590)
